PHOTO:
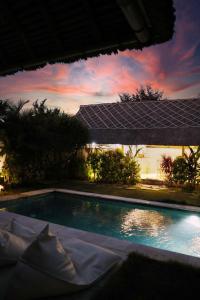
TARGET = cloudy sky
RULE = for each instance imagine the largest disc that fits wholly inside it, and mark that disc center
(173, 67)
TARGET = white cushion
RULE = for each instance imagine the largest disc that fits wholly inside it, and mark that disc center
(91, 261)
(21, 230)
(5, 224)
(11, 247)
(14, 239)
(46, 269)
(15, 227)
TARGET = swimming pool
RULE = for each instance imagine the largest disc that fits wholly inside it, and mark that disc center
(163, 228)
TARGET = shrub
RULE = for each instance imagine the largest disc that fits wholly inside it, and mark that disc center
(77, 168)
(130, 170)
(184, 170)
(167, 168)
(193, 167)
(94, 164)
(39, 143)
(113, 166)
(180, 170)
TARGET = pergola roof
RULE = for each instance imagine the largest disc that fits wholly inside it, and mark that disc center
(165, 122)
(33, 33)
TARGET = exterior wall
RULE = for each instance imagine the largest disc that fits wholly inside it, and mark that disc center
(1, 163)
(150, 159)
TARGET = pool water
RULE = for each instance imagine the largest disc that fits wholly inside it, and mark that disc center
(169, 229)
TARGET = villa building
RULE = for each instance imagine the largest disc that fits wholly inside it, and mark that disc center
(156, 128)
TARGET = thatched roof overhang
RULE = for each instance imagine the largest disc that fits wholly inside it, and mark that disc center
(166, 122)
(36, 32)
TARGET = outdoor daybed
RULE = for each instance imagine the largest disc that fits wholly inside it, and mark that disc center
(138, 277)
(39, 265)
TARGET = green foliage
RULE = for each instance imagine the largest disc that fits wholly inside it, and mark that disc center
(193, 166)
(167, 168)
(144, 93)
(94, 164)
(77, 168)
(111, 170)
(39, 142)
(183, 170)
(180, 170)
(4, 106)
(112, 166)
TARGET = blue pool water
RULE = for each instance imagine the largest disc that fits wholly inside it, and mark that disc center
(174, 230)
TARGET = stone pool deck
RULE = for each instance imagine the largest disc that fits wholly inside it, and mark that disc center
(121, 247)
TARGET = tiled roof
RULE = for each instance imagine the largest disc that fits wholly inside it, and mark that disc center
(165, 122)
(142, 115)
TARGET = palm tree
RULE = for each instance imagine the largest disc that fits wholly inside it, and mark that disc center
(39, 141)
(4, 107)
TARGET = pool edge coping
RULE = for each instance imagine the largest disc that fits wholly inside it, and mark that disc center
(102, 196)
(131, 200)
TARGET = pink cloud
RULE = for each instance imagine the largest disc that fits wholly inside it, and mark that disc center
(187, 55)
(148, 58)
(180, 87)
(62, 72)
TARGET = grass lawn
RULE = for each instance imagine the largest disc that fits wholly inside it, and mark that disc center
(146, 192)
(152, 193)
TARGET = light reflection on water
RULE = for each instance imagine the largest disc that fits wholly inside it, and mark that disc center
(195, 246)
(144, 222)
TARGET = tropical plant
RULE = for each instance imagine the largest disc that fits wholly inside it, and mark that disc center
(133, 153)
(39, 142)
(77, 168)
(94, 164)
(180, 170)
(113, 166)
(193, 166)
(144, 93)
(184, 170)
(167, 168)
(4, 106)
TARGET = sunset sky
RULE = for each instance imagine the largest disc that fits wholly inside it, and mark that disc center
(173, 67)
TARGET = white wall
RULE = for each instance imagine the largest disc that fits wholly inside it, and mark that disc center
(151, 160)
(1, 162)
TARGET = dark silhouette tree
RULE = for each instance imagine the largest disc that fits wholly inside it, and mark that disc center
(144, 93)
(38, 142)
(4, 107)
